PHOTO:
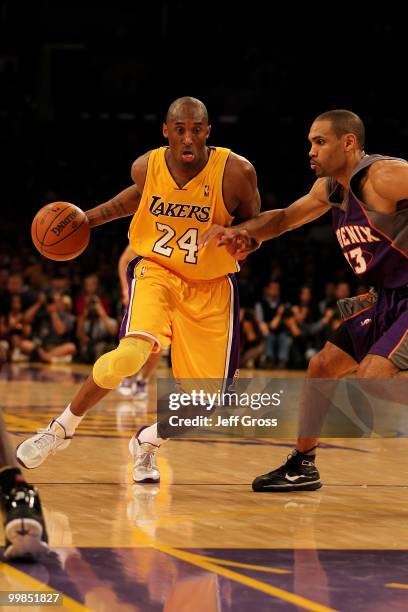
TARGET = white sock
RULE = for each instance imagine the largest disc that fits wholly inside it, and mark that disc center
(69, 420)
(149, 434)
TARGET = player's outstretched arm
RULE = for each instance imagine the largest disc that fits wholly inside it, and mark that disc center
(124, 203)
(309, 207)
(273, 223)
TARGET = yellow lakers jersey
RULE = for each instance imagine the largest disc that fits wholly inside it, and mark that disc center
(169, 221)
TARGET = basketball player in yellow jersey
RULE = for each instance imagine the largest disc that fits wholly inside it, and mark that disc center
(178, 294)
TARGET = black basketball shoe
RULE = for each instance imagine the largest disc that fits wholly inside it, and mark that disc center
(24, 527)
(299, 473)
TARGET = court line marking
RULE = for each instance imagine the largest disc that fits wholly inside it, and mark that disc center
(202, 562)
(36, 585)
(396, 585)
(258, 568)
(19, 421)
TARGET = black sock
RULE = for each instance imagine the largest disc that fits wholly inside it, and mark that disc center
(10, 478)
(299, 457)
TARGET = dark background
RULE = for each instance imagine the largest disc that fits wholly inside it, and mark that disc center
(84, 90)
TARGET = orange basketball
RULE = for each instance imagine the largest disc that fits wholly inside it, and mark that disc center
(60, 231)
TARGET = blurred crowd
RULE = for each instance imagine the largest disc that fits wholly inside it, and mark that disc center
(279, 334)
(53, 319)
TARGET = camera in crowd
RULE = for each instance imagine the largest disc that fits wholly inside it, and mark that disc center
(92, 310)
(287, 311)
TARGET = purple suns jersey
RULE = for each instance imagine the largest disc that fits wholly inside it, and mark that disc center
(375, 244)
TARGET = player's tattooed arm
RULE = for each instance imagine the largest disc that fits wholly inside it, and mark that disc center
(122, 205)
(126, 202)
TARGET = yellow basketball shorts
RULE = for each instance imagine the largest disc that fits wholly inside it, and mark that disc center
(199, 318)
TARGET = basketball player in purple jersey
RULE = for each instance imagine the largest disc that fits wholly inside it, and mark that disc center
(368, 196)
(25, 533)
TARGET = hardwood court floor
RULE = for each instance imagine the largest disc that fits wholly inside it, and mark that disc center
(202, 540)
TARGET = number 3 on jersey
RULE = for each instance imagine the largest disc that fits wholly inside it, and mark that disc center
(356, 260)
(187, 242)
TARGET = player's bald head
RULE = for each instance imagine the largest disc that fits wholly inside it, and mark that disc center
(187, 107)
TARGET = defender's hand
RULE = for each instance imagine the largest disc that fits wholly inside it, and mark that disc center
(236, 241)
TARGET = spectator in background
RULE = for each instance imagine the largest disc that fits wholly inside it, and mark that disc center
(60, 283)
(252, 340)
(342, 290)
(13, 329)
(51, 329)
(91, 290)
(15, 324)
(15, 286)
(96, 331)
(270, 314)
(329, 300)
(307, 327)
(305, 308)
(36, 280)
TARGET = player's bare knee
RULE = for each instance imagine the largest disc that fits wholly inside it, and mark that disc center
(319, 366)
(375, 366)
(365, 370)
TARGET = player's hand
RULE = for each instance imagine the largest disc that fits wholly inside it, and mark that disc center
(240, 246)
(214, 233)
(236, 241)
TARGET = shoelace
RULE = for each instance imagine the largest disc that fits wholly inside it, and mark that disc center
(147, 460)
(43, 441)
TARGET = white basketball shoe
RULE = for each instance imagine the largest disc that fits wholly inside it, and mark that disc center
(33, 452)
(145, 469)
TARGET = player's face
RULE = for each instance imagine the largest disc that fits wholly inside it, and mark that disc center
(187, 133)
(327, 152)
